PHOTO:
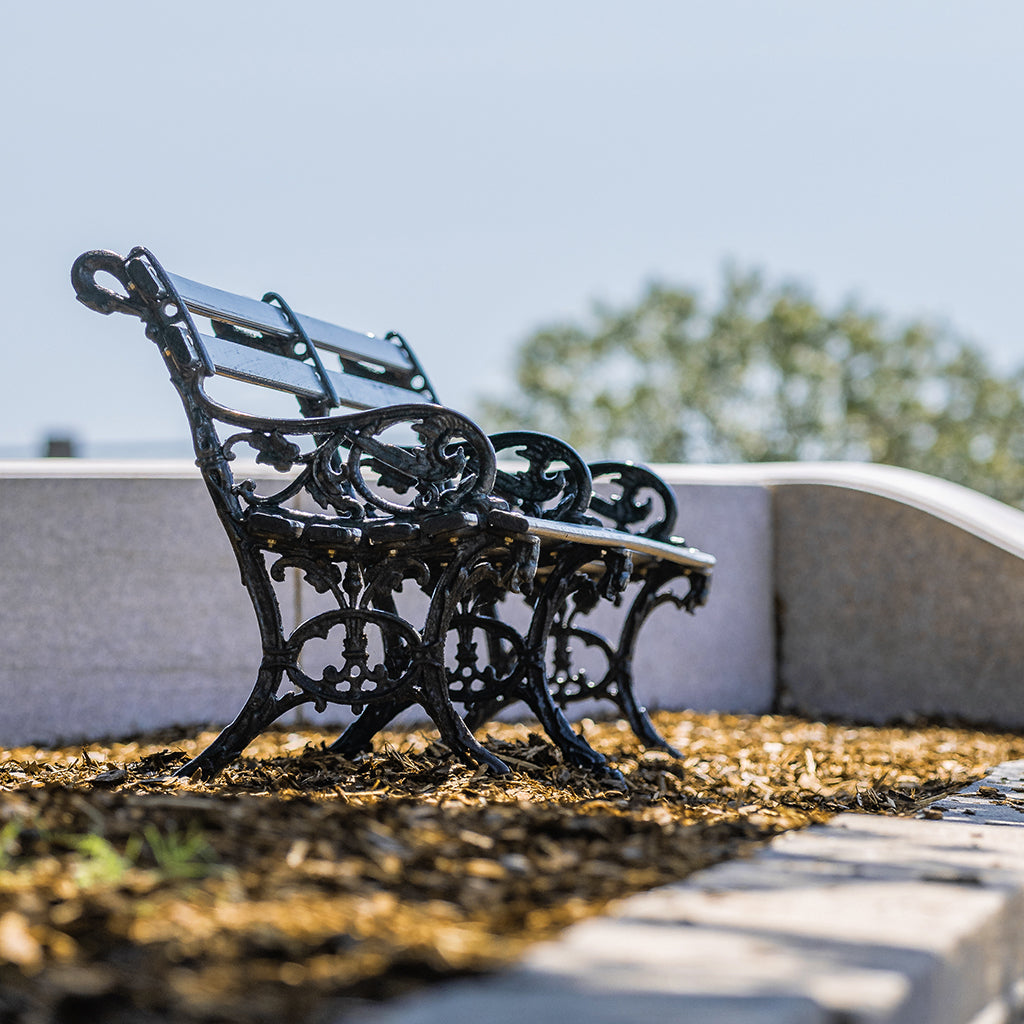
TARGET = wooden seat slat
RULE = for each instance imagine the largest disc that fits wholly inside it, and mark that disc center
(594, 536)
(263, 316)
(255, 366)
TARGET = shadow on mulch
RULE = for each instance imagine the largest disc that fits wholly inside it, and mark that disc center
(299, 883)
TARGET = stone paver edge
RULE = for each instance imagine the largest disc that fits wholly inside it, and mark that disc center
(863, 920)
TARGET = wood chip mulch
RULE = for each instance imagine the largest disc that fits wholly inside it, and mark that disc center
(299, 883)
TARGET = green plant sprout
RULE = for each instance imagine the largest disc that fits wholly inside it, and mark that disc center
(181, 855)
(97, 861)
(9, 841)
(100, 862)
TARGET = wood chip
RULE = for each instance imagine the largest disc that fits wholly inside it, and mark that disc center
(299, 877)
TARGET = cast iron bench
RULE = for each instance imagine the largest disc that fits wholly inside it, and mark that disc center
(399, 491)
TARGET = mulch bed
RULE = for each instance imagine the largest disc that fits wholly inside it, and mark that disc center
(299, 883)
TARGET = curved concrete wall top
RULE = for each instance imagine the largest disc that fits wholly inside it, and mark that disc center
(102, 469)
(984, 517)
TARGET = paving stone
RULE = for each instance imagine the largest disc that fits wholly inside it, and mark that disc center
(996, 800)
(522, 998)
(865, 920)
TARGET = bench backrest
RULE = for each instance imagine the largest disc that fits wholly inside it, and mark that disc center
(264, 343)
(371, 439)
(260, 342)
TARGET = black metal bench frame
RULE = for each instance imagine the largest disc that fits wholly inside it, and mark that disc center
(436, 512)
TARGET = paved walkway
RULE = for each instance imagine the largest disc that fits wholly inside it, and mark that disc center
(865, 919)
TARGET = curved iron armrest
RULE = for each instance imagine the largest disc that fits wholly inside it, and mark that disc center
(643, 504)
(556, 483)
(147, 294)
(351, 469)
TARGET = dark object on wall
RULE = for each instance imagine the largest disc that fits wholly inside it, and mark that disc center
(60, 446)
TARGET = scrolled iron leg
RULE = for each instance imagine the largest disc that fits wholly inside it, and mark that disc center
(460, 576)
(455, 734)
(649, 598)
(356, 739)
(258, 712)
(639, 720)
(358, 736)
(535, 690)
(575, 749)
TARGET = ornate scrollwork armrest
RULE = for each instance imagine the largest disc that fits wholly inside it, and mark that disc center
(352, 469)
(640, 502)
(452, 467)
(556, 482)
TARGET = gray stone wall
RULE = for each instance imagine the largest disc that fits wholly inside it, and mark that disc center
(841, 591)
(889, 612)
(898, 596)
(121, 607)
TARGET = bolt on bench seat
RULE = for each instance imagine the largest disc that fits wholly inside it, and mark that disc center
(407, 495)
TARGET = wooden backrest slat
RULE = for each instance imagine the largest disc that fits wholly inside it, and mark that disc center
(256, 366)
(262, 316)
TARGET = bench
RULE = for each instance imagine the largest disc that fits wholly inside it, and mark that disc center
(380, 494)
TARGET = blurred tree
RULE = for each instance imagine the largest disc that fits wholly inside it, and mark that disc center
(768, 375)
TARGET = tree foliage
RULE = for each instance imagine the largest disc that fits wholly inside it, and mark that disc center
(767, 375)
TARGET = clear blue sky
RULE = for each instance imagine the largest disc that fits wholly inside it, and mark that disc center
(465, 171)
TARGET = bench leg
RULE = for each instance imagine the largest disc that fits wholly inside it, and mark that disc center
(432, 689)
(259, 711)
(640, 722)
(535, 690)
(429, 686)
(575, 749)
(617, 683)
(358, 737)
(464, 573)
(532, 687)
(621, 676)
(455, 733)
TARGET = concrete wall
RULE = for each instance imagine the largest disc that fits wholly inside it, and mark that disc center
(891, 594)
(897, 595)
(121, 607)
